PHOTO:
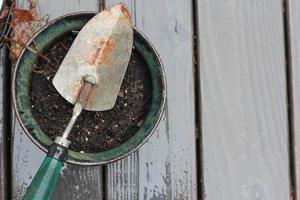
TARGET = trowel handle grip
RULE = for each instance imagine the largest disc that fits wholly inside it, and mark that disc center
(45, 180)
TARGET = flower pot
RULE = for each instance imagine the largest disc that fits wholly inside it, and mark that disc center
(21, 86)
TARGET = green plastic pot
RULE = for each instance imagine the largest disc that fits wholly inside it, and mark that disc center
(21, 84)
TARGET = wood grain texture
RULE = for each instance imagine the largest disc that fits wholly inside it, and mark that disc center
(56, 8)
(75, 182)
(294, 37)
(167, 162)
(244, 100)
(122, 177)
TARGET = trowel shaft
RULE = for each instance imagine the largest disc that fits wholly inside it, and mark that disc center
(79, 105)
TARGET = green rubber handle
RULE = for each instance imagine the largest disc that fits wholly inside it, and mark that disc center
(45, 180)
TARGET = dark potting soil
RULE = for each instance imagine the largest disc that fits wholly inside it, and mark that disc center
(93, 131)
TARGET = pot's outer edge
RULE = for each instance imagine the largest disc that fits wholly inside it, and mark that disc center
(116, 157)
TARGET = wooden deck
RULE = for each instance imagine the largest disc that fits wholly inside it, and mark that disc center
(231, 127)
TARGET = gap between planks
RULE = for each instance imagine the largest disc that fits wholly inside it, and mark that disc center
(5, 168)
(293, 55)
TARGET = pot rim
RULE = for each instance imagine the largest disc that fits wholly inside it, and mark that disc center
(91, 163)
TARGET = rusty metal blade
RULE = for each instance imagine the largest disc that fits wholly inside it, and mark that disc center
(101, 50)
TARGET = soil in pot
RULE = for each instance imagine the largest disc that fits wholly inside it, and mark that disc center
(93, 131)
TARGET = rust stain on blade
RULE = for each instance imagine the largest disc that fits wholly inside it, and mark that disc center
(93, 94)
(125, 11)
(85, 93)
(101, 50)
(77, 88)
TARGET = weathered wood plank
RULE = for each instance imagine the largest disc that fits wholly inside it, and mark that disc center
(122, 176)
(244, 104)
(57, 8)
(122, 179)
(25, 162)
(3, 136)
(293, 21)
(75, 182)
(167, 162)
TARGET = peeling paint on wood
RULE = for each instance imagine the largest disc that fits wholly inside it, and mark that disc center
(79, 182)
(26, 160)
(122, 179)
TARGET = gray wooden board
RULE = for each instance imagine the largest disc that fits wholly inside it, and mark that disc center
(3, 157)
(75, 182)
(294, 37)
(244, 100)
(165, 167)
(122, 179)
(122, 176)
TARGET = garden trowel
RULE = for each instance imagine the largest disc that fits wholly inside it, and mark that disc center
(89, 77)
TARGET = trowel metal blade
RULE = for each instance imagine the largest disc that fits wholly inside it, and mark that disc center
(101, 50)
